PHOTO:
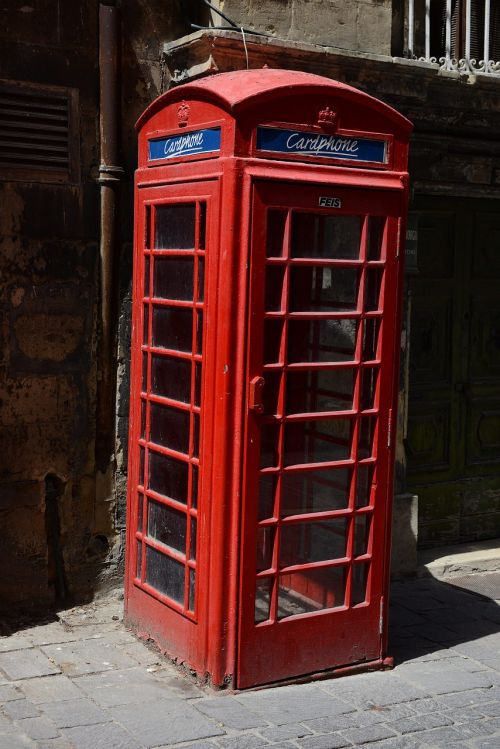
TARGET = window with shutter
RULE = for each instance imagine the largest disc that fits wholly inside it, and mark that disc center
(38, 136)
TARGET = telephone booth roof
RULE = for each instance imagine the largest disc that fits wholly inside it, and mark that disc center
(244, 90)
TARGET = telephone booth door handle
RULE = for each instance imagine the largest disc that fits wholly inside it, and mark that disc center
(255, 395)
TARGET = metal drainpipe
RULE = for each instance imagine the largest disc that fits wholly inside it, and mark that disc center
(110, 175)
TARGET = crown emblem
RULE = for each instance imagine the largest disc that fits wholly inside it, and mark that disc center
(327, 118)
(183, 114)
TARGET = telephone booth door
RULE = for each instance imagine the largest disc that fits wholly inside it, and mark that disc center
(321, 352)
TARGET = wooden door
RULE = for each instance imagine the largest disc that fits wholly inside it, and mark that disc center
(453, 442)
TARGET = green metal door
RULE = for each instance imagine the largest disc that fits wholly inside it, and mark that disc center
(453, 436)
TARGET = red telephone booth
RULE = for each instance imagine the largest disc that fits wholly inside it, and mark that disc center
(269, 216)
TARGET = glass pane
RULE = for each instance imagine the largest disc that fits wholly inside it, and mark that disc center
(174, 278)
(359, 583)
(201, 279)
(269, 436)
(192, 542)
(373, 283)
(311, 590)
(141, 465)
(370, 339)
(173, 328)
(199, 331)
(174, 227)
(167, 526)
(318, 441)
(265, 547)
(267, 489)
(322, 340)
(171, 378)
(332, 237)
(315, 491)
(192, 589)
(169, 427)
(197, 384)
(146, 275)
(165, 574)
(324, 289)
(143, 419)
(144, 384)
(139, 559)
(202, 228)
(275, 275)
(320, 390)
(375, 237)
(276, 221)
(196, 435)
(168, 476)
(194, 487)
(313, 541)
(140, 502)
(147, 227)
(145, 324)
(366, 436)
(368, 388)
(271, 391)
(263, 594)
(361, 534)
(273, 331)
(364, 481)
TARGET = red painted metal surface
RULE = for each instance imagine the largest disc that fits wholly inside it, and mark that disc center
(264, 378)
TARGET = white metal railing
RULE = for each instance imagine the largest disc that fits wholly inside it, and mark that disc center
(444, 37)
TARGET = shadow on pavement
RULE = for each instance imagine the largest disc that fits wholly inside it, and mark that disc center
(431, 619)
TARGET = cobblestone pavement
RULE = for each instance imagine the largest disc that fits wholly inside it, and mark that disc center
(82, 681)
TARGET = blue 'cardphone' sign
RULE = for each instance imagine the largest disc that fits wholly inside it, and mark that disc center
(322, 145)
(175, 146)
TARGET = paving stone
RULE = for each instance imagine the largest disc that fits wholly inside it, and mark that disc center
(287, 731)
(491, 710)
(168, 721)
(6, 726)
(447, 736)
(71, 713)
(178, 685)
(284, 745)
(88, 657)
(324, 742)
(465, 714)
(25, 664)
(471, 697)
(431, 720)
(19, 709)
(382, 688)
(439, 679)
(427, 705)
(102, 736)
(141, 654)
(123, 687)
(38, 728)
(48, 634)
(16, 742)
(9, 692)
(243, 741)
(229, 712)
(360, 719)
(359, 736)
(293, 704)
(59, 743)
(50, 688)
(492, 743)
(16, 641)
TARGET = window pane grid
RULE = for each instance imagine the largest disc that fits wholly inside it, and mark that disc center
(182, 272)
(363, 416)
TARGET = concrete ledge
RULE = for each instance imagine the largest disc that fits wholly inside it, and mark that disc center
(446, 561)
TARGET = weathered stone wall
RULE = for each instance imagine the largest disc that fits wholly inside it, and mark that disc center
(361, 25)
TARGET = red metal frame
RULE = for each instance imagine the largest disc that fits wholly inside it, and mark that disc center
(218, 638)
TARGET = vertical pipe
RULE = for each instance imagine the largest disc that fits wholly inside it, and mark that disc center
(427, 29)
(109, 178)
(411, 28)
